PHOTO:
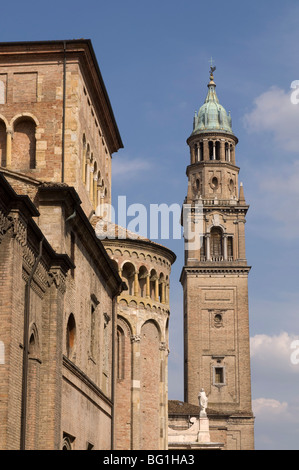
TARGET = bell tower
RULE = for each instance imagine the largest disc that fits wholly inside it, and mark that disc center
(215, 275)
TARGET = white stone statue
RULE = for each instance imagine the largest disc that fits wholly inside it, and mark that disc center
(203, 403)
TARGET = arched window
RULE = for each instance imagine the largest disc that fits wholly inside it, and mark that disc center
(33, 390)
(230, 252)
(120, 353)
(153, 283)
(84, 148)
(161, 288)
(231, 154)
(211, 154)
(24, 146)
(128, 272)
(115, 264)
(91, 185)
(216, 243)
(196, 152)
(87, 167)
(142, 275)
(70, 336)
(32, 347)
(95, 186)
(2, 143)
(201, 151)
(226, 152)
(67, 443)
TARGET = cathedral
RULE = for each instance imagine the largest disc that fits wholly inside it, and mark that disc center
(85, 316)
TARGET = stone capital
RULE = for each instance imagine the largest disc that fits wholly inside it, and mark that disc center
(135, 339)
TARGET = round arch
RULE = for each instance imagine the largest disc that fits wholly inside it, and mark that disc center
(5, 121)
(20, 116)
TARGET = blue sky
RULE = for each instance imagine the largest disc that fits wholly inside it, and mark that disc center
(154, 58)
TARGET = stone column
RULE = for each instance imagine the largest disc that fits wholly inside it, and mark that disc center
(95, 191)
(208, 254)
(102, 204)
(98, 208)
(87, 174)
(91, 183)
(136, 284)
(233, 159)
(163, 293)
(222, 151)
(205, 150)
(192, 150)
(157, 290)
(8, 147)
(148, 286)
(225, 246)
(214, 150)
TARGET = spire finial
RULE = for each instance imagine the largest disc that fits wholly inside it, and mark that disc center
(212, 69)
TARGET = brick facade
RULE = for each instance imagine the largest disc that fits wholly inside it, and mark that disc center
(58, 371)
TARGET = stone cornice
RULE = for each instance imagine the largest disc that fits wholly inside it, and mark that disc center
(138, 243)
(211, 163)
(213, 134)
(214, 268)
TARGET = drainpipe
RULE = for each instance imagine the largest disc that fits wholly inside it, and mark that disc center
(114, 322)
(63, 111)
(26, 349)
(113, 369)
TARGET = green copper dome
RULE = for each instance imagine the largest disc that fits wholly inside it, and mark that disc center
(212, 116)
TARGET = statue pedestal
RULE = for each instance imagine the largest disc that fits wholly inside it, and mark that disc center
(203, 433)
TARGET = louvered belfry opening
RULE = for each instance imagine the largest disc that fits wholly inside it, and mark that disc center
(216, 243)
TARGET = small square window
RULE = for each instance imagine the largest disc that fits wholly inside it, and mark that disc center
(219, 378)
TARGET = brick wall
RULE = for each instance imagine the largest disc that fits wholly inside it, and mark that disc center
(150, 387)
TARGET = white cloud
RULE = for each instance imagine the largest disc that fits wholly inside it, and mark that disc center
(272, 355)
(125, 168)
(275, 113)
(275, 388)
(275, 198)
(269, 406)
